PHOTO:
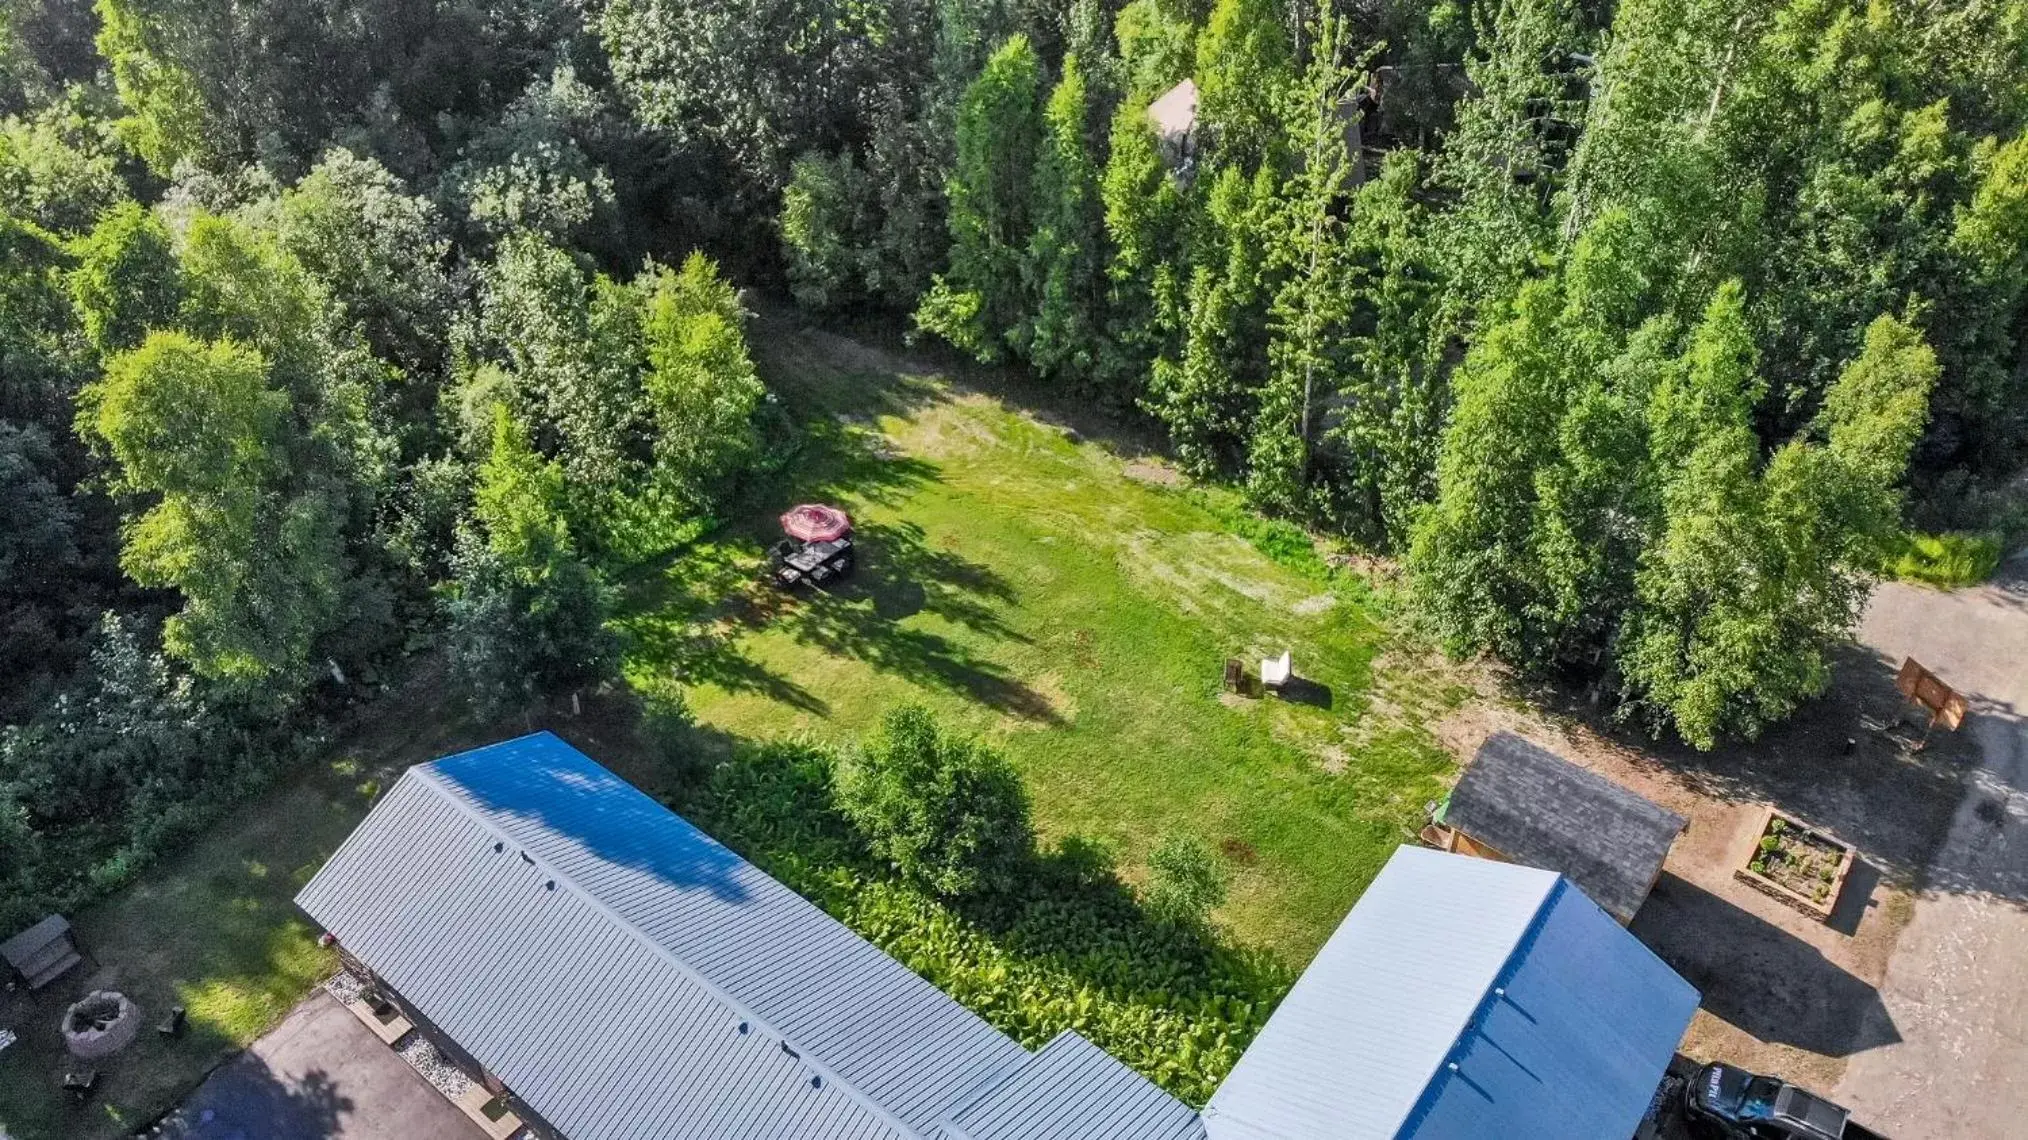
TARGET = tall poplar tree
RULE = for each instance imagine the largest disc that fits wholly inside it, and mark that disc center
(979, 304)
(1066, 256)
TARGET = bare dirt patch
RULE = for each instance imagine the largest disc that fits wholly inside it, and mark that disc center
(1313, 605)
(1148, 471)
(1783, 992)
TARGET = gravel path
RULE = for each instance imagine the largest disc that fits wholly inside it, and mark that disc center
(416, 1049)
(1954, 1005)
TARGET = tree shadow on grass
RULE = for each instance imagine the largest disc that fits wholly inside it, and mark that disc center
(1071, 912)
(846, 627)
(700, 653)
(686, 623)
(891, 382)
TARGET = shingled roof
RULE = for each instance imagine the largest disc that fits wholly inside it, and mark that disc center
(1535, 807)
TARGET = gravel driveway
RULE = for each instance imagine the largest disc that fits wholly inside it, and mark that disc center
(1956, 991)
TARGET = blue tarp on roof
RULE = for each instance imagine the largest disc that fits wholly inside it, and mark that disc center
(1463, 998)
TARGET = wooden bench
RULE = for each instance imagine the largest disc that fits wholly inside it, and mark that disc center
(42, 953)
(488, 1111)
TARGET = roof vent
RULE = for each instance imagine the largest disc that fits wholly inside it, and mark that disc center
(550, 885)
(499, 847)
(817, 1081)
(791, 1052)
(526, 859)
(743, 1029)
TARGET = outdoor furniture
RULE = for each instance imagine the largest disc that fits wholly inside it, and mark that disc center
(816, 563)
(80, 1082)
(1926, 691)
(173, 1027)
(1275, 672)
(42, 953)
(814, 522)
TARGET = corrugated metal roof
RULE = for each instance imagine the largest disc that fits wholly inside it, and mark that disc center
(627, 975)
(1073, 1090)
(1535, 807)
(1411, 982)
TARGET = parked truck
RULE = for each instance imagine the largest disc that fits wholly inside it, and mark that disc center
(1728, 1103)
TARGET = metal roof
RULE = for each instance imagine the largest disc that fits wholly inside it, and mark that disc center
(1535, 807)
(629, 977)
(1462, 998)
(1073, 1090)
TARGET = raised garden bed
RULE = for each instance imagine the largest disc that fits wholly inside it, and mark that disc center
(1799, 865)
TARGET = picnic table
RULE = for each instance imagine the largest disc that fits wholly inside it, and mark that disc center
(813, 562)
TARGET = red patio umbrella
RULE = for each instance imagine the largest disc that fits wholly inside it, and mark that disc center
(814, 522)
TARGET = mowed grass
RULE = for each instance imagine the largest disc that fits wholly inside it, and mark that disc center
(213, 928)
(1020, 582)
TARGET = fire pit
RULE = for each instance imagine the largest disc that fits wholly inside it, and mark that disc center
(100, 1024)
(1799, 865)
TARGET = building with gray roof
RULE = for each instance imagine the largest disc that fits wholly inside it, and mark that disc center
(629, 978)
(1528, 805)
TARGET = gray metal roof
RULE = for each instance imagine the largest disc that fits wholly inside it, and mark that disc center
(1558, 1021)
(1073, 1090)
(628, 976)
(1537, 808)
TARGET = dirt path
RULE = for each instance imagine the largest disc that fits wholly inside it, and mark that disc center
(1953, 1002)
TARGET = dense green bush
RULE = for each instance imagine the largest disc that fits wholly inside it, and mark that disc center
(946, 811)
(134, 757)
(1947, 560)
(1186, 881)
(1067, 948)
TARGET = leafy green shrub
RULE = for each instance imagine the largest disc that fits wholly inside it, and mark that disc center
(946, 811)
(1069, 948)
(1186, 880)
(1947, 560)
(128, 762)
(826, 225)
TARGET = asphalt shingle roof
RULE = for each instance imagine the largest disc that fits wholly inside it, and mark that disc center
(1539, 809)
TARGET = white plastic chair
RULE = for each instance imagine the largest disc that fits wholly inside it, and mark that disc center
(1274, 671)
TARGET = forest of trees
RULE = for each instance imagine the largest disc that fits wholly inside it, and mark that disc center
(1639, 333)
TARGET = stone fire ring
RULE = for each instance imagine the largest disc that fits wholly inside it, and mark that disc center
(100, 1024)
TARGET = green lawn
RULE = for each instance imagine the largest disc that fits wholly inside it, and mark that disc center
(1021, 583)
(1015, 579)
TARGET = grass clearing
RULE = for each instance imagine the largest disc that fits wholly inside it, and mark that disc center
(1017, 581)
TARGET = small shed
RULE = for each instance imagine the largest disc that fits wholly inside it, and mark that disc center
(1522, 804)
(1462, 999)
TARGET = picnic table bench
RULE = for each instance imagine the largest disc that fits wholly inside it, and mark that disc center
(42, 953)
(814, 562)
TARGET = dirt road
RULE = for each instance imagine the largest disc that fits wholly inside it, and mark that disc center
(1955, 1000)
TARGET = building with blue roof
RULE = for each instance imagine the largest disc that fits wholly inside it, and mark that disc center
(1462, 998)
(630, 978)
